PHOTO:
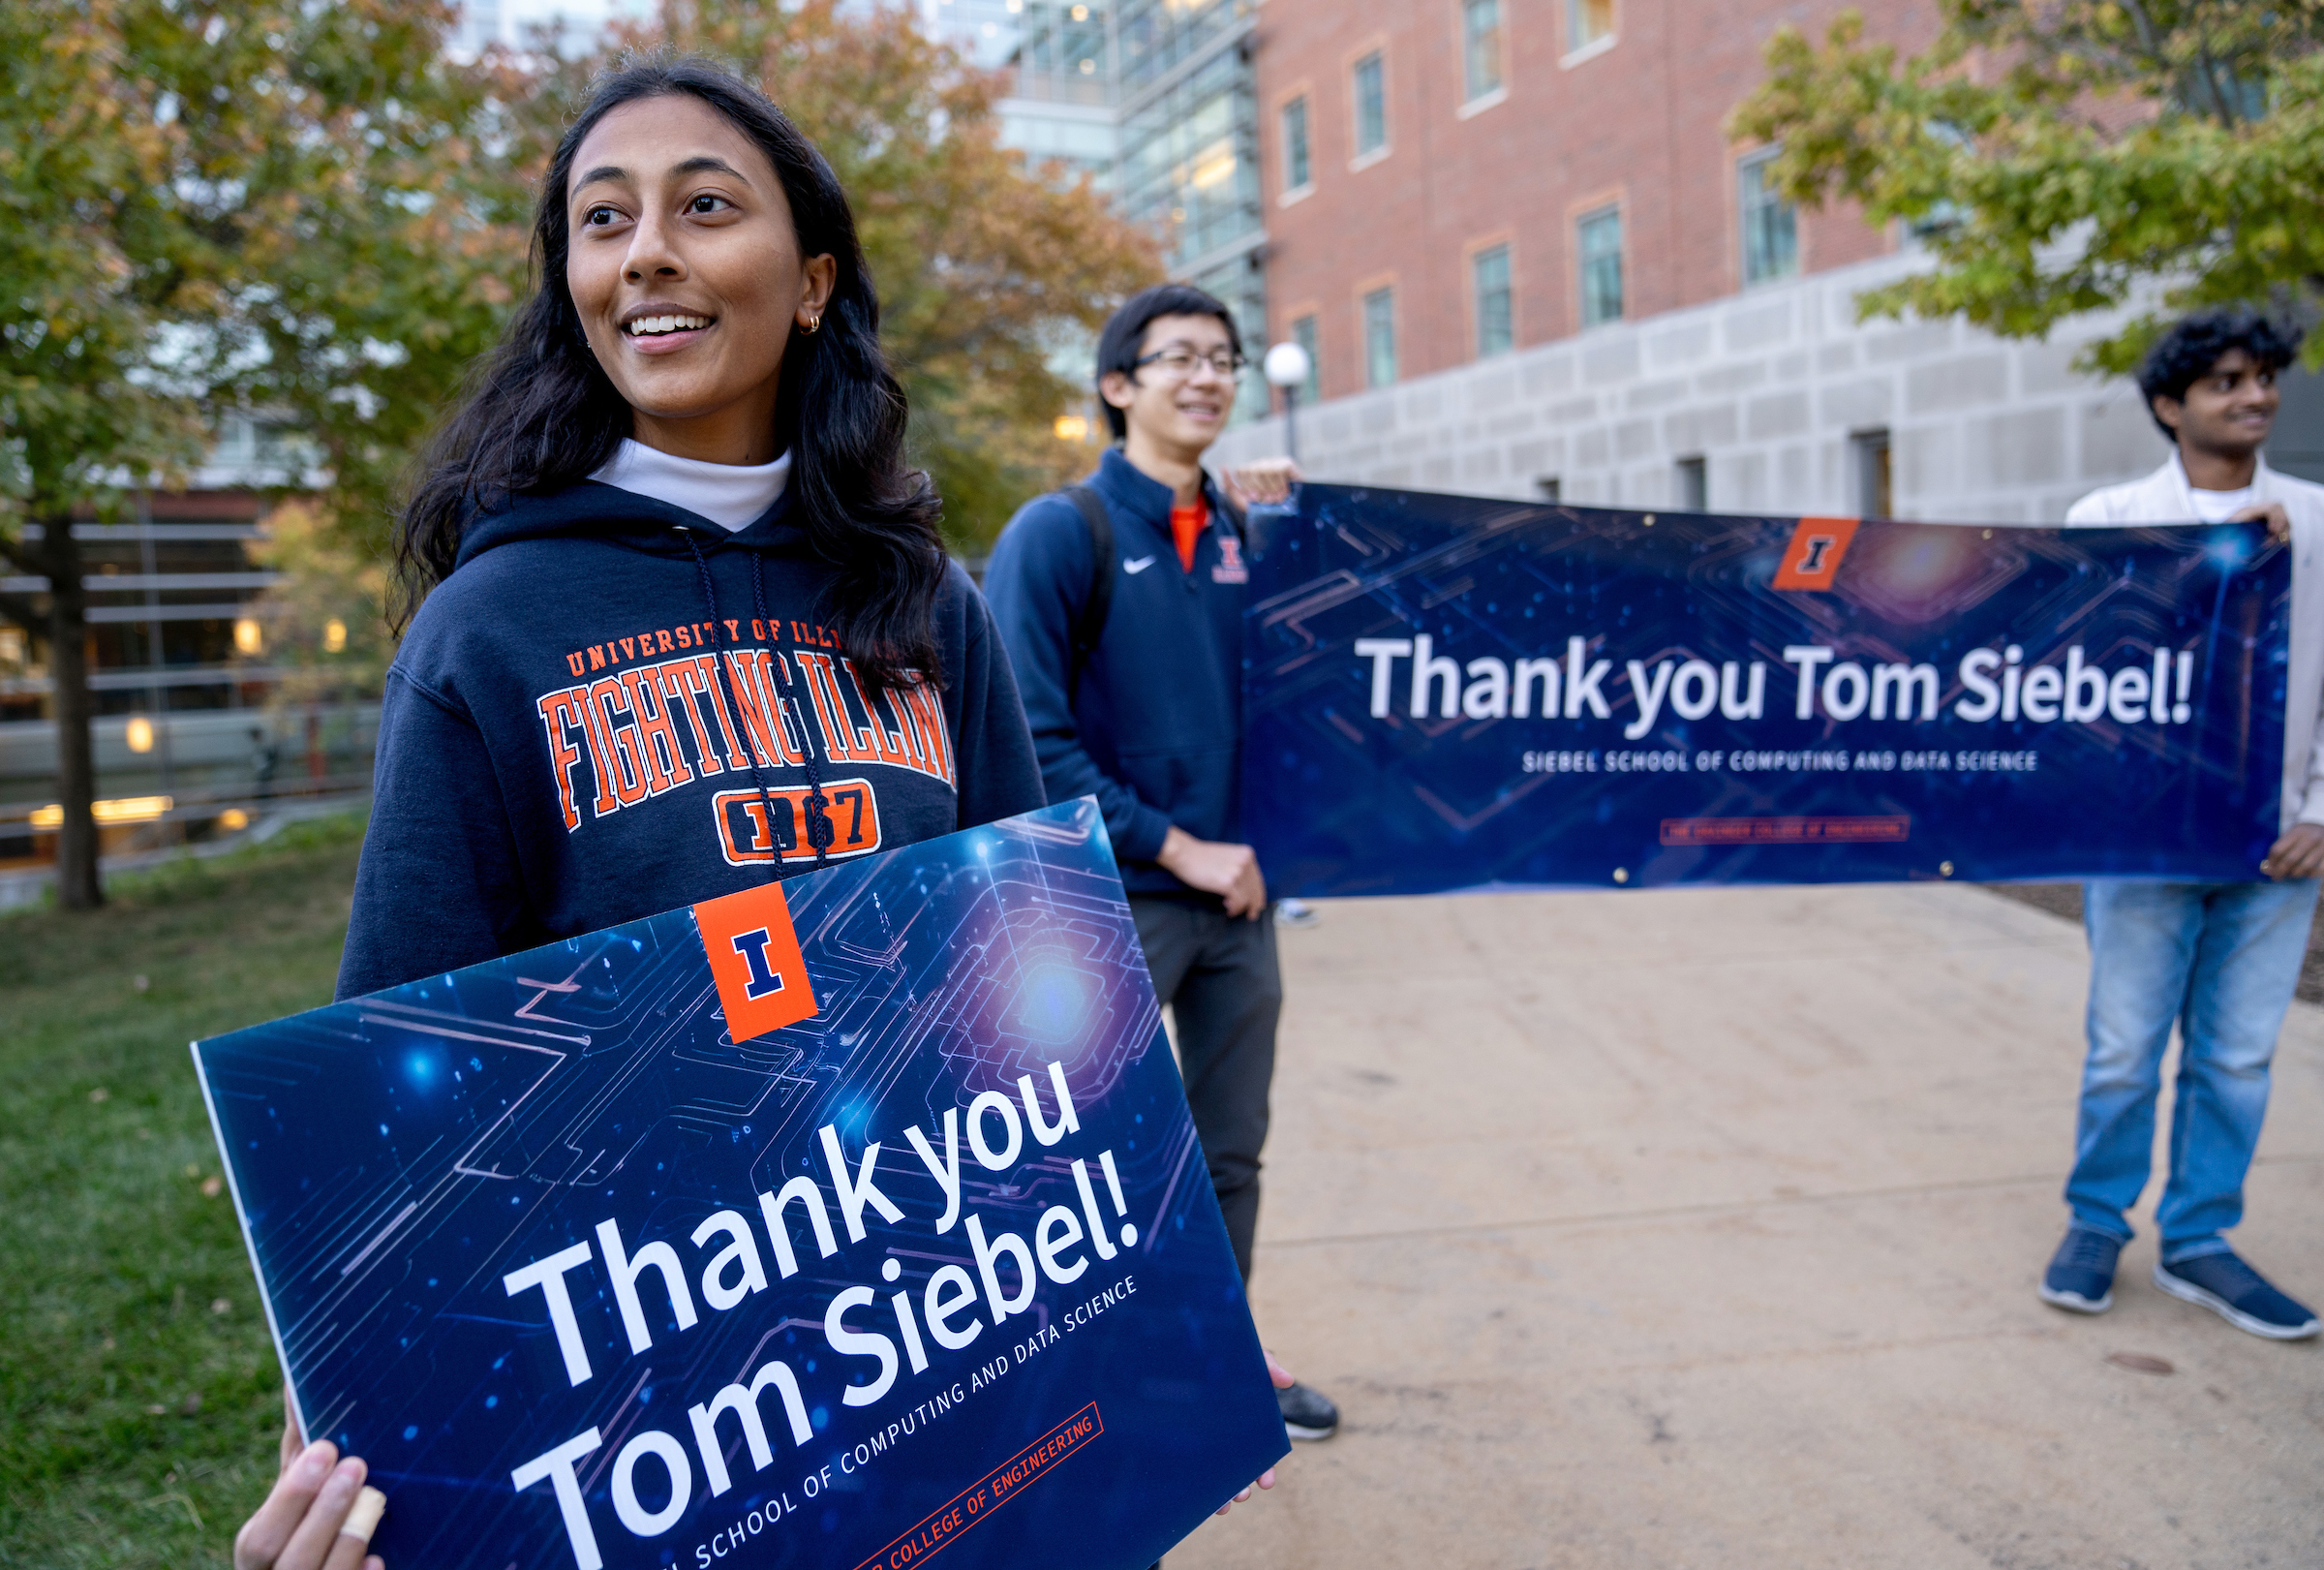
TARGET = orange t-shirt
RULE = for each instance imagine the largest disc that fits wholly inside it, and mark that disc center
(1187, 529)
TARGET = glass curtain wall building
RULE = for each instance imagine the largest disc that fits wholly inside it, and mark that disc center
(1168, 85)
(1060, 107)
(1189, 165)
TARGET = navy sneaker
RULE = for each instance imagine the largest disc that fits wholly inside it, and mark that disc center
(2080, 1279)
(1307, 1414)
(2238, 1294)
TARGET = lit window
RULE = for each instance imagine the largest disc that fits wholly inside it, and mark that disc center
(1371, 104)
(1770, 226)
(1379, 337)
(1495, 329)
(1481, 45)
(1588, 22)
(1296, 171)
(1303, 334)
(1600, 236)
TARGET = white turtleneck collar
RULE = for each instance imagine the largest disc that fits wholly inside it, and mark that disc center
(732, 496)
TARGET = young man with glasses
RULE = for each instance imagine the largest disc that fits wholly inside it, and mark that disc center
(1120, 603)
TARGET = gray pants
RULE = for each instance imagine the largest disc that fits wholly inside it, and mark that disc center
(1220, 977)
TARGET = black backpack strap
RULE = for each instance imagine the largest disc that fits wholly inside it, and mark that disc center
(1096, 605)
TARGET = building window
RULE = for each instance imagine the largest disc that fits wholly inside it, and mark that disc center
(1770, 225)
(1875, 491)
(1379, 337)
(1600, 237)
(1481, 45)
(1551, 487)
(1296, 171)
(1303, 334)
(1588, 22)
(1694, 485)
(1371, 104)
(1495, 329)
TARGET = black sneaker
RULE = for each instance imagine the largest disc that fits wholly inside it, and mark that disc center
(2238, 1294)
(2080, 1279)
(1307, 1414)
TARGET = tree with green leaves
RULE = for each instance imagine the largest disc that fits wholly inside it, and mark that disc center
(270, 205)
(2069, 156)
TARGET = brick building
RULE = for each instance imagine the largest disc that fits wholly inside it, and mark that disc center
(1510, 171)
(1529, 262)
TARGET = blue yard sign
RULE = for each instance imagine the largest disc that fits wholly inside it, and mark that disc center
(843, 1222)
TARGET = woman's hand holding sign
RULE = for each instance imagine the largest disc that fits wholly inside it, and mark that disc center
(320, 1516)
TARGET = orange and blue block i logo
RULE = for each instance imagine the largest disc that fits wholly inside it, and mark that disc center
(1812, 560)
(755, 958)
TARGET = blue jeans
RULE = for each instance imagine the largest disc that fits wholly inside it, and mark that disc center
(2221, 959)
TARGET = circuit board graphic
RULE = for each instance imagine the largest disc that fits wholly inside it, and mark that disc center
(402, 1161)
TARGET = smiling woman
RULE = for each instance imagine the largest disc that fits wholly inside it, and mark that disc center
(688, 238)
(678, 619)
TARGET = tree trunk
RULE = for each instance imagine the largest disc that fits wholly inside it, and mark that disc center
(78, 887)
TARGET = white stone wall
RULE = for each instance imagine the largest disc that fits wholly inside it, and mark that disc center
(1768, 388)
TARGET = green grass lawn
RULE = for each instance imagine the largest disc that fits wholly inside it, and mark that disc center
(139, 1397)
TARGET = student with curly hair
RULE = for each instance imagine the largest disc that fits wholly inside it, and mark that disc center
(2219, 959)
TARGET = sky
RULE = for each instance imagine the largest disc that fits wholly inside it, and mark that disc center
(981, 27)
(508, 20)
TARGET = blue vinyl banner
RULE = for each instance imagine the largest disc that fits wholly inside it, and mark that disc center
(843, 1223)
(1446, 693)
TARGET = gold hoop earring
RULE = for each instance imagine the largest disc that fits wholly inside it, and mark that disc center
(814, 324)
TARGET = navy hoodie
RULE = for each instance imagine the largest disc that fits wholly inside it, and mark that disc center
(1154, 728)
(561, 748)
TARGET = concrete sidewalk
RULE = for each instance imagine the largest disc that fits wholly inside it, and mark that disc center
(1702, 1229)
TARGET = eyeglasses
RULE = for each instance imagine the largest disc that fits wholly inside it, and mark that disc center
(1178, 363)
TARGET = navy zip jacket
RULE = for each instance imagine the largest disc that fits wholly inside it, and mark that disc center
(1154, 728)
(569, 730)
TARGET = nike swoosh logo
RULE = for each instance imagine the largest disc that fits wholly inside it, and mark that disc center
(1137, 566)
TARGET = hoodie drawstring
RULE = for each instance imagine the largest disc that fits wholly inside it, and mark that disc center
(819, 829)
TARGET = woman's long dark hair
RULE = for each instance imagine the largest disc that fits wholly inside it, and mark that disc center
(542, 414)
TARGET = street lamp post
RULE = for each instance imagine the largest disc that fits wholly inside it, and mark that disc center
(1287, 367)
